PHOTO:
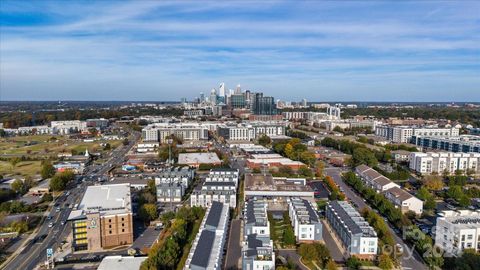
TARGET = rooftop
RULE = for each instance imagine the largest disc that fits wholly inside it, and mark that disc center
(266, 182)
(198, 158)
(351, 219)
(107, 199)
(121, 262)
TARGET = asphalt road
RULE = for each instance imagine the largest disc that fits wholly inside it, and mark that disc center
(34, 252)
(234, 249)
(408, 262)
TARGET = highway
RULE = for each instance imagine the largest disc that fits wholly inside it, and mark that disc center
(33, 252)
(409, 261)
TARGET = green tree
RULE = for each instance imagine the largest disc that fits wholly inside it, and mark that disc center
(308, 252)
(289, 236)
(364, 156)
(385, 262)
(264, 140)
(148, 212)
(331, 265)
(305, 171)
(47, 170)
(289, 151)
(17, 186)
(319, 168)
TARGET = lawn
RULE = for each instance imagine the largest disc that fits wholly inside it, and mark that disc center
(41, 145)
(22, 169)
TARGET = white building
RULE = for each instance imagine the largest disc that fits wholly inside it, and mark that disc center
(356, 235)
(257, 250)
(251, 130)
(121, 262)
(206, 252)
(185, 131)
(403, 134)
(432, 162)
(220, 185)
(374, 179)
(404, 200)
(458, 230)
(399, 197)
(305, 221)
(69, 126)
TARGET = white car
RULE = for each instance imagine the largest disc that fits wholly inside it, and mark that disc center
(50, 225)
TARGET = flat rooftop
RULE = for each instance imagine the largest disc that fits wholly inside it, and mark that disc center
(121, 262)
(266, 182)
(106, 199)
(198, 158)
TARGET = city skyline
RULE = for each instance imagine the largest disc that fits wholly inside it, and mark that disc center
(164, 51)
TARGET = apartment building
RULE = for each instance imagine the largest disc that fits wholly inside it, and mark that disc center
(463, 143)
(456, 231)
(257, 250)
(374, 179)
(433, 162)
(250, 130)
(305, 221)
(356, 235)
(159, 132)
(206, 252)
(182, 175)
(404, 200)
(103, 219)
(220, 185)
(393, 192)
(404, 134)
(255, 217)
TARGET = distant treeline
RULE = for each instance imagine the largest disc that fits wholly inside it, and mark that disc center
(24, 118)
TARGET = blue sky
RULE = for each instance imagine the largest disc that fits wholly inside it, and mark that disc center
(319, 50)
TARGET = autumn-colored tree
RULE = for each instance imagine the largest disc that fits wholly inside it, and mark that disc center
(433, 182)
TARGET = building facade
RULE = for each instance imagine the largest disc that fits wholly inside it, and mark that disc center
(103, 219)
(356, 235)
(464, 143)
(456, 231)
(305, 221)
(404, 134)
(432, 162)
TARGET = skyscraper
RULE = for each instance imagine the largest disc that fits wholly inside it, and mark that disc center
(221, 90)
(263, 105)
(213, 97)
(238, 90)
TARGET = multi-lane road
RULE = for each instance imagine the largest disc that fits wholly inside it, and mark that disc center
(54, 230)
(409, 260)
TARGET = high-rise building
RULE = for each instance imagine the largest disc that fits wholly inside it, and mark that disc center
(304, 102)
(221, 90)
(238, 90)
(263, 105)
(213, 97)
(237, 101)
(202, 97)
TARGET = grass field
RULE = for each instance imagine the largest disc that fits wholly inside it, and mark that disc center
(22, 169)
(41, 145)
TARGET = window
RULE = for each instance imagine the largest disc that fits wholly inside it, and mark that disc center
(123, 230)
(463, 237)
(110, 232)
(110, 220)
(110, 226)
(123, 219)
(123, 224)
(469, 237)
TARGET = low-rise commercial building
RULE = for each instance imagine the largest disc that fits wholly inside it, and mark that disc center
(356, 235)
(121, 262)
(195, 159)
(269, 187)
(272, 160)
(456, 231)
(432, 162)
(305, 221)
(206, 252)
(103, 219)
